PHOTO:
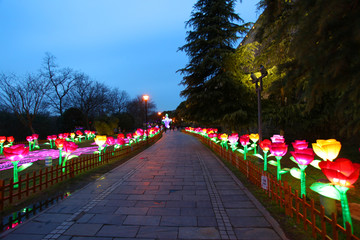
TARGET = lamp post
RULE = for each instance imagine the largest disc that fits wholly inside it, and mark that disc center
(256, 80)
(146, 98)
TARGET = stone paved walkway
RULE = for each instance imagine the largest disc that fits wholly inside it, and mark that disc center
(176, 189)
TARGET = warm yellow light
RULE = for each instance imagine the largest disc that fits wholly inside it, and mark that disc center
(159, 113)
(146, 97)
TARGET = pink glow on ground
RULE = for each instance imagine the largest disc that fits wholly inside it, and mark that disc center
(34, 156)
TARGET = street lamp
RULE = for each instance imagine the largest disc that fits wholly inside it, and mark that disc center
(146, 98)
(256, 80)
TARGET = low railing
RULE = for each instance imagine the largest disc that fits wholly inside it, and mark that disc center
(303, 211)
(12, 193)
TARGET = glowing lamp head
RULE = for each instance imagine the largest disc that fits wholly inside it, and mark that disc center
(69, 147)
(300, 144)
(265, 145)
(254, 137)
(29, 138)
(35, 136)
(277, 139)
(145, 97)
(244, 140)
(341, 172)
(2, 139)
(303, 156)
(327, 149)
(10, 139)
(278, 149)
(100, 140)
(59, 143)
(16, 152)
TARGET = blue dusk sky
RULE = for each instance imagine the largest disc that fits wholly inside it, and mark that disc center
(128, 44)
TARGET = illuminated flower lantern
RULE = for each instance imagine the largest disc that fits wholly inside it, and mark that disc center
(51, 139)
(327, 149)
(119, 142)
(100, 141)
(277, 139)
(300, 144)
(244, 141)
(79, 135)
(224, 139)
(72, 136)
(278, 149)
(68, 148)
(2, 141)
(87, 134)
(10, 140)
(213, 137)
(265, 146)
(303, 157)
(138, 133)
(129, 138)
(30, 139)
(15, 154)
(110, 141)
(342, 174)
(59, 142)
(35, 141)
(66, 135)
(233, 141)
(254, 137)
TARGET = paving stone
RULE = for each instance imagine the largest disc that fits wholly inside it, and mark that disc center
(108, 219)
(103, 209)
(132, 210)
(238, 204)
(197, 212)
(52, 217)
(83, 229)
(207, 222)
(164, 212)
(243, 212)
(158, 232)
(91, 238)
(118, 231)
(178, 221)
(180, 204)
(36, 228)
(23, 237)
(249, 222)
(141, 197)
(256, 233)
(150, 204)
(85, 218)
(198, 233)
(142, 220)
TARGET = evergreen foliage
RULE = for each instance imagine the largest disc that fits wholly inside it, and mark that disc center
(211, 89)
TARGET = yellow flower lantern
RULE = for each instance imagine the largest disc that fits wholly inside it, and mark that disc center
(254, 137)
(327, 149)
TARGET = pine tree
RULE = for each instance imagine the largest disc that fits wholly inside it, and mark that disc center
(210, 88)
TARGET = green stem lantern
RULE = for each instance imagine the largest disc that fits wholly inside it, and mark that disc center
(302, 179)
(265, 160)
(278, 168)
(16, 173)
(344, 205)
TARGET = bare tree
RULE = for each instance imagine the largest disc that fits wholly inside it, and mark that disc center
(90, 97)
(23, 97)
(118, 101)
(61, 81)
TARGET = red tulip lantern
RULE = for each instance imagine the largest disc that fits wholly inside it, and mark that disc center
(342, 174)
